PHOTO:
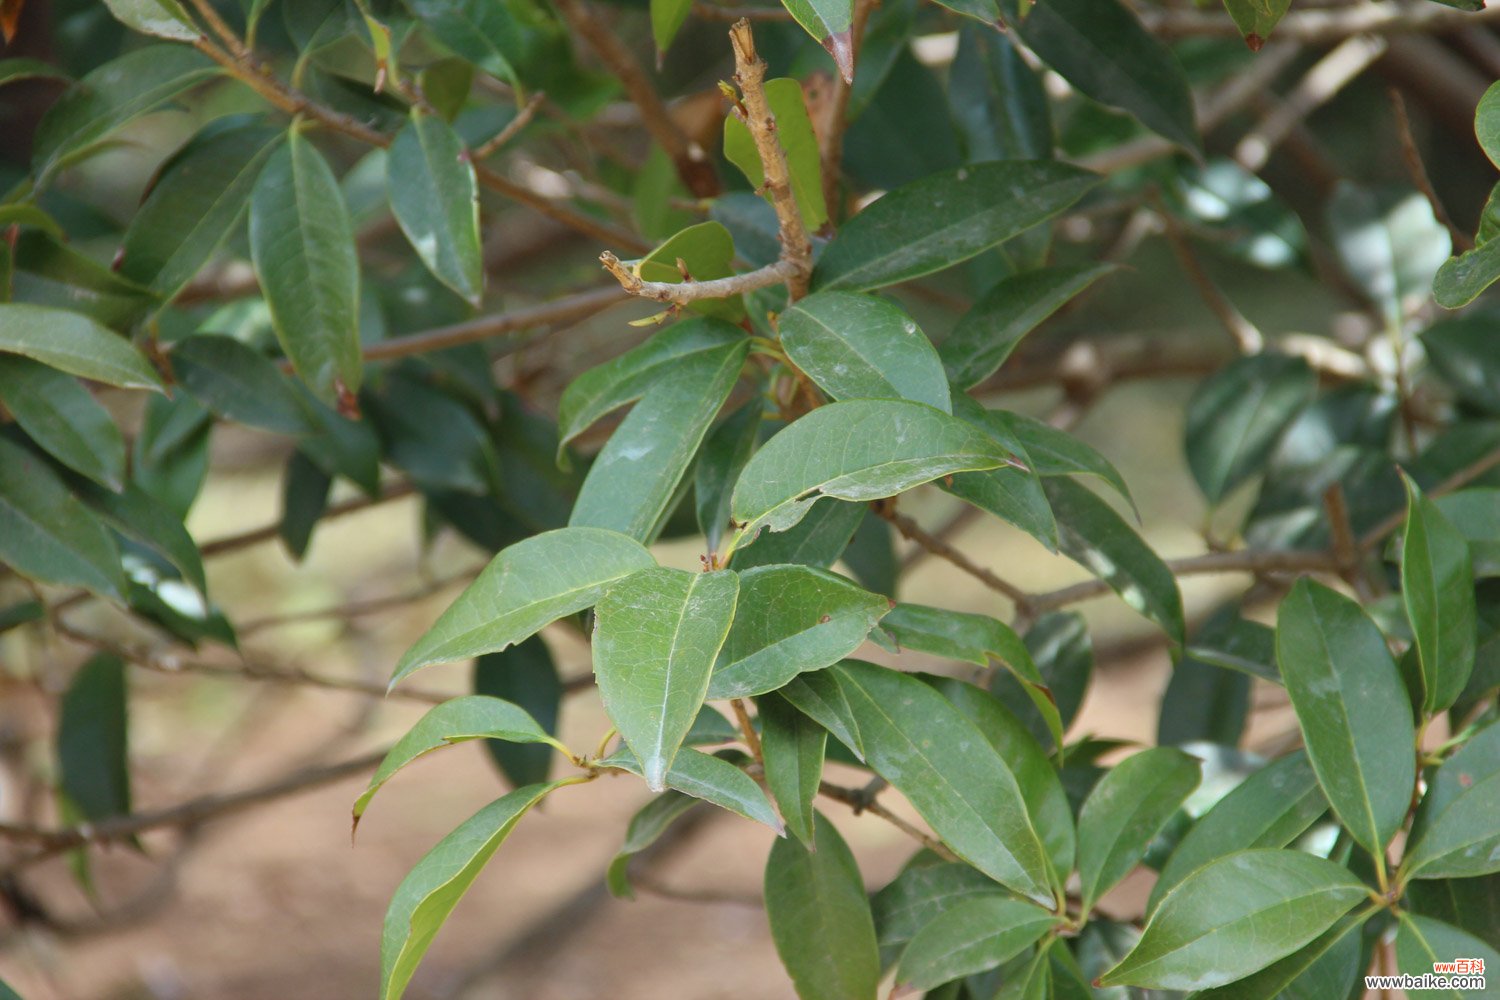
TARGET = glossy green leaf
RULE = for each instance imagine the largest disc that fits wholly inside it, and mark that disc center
(1235, 916)
(302, 243)
(93, 747)
(47, 273)
(22, 68)
(794, 130)
(1487, 123)
(1246, 646)
(862, 347)
(1256, 18)
(482, 31)
(162, 18)
(1203, 702)
(1238, 415)
(433, 888)
(820, 919)
(47, 534)
(64, 419)
(657, 635)
(792, 745)
(1352, 708)
(240, 384)
(820, 697)
(525, 587)
(1298, 976)
(710, 778)
(304, 500)
(1423, 943)
(1101, 49)
(819, 539)
(22, 613)
(855, 450)
(1460, 280)
(944, 219)
(1459, 836)
(828, 21)
(135, 514)
(194, 204)
(73, 343)
(433, 435)
(646, 827)
(1093, 535)
(915, 739)
(997, 100)
(526, 675)
(790, 620)
(667, 17)
(1437, 586)
(1461, 352)
(1389, 242)
(1127, 808)
(986, 335)
(705, 251)
(926, 888)
(435, 197)
(974, 935)
(725, 452)
(470, 717)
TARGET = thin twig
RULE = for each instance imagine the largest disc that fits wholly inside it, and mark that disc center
(357, 609)
(857, 800)
(553, 315)
(233, 543)
(1246, 337)
(943, 550)
(747, 729)
(1417, 170)
(1239, 561)
(512, 128)
(693, 291)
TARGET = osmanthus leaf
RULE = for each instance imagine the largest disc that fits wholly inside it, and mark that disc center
(711, 778)
(302, 244)
(525, 587)
(1458, 835)
(725, 452)
(27, 215)
(48, 273)
(1256, 18)
(304, 500)
(482, 31)
(706, 252)
(1127, 808)
(1101, 49)
(1051, 452)
(657, 635)
(861, 347)
(162, 18)
(996, 99)
(196, 201)
(1459, 349)
(820, 697)
(47, 534)
(433, 888)
(792, 745)
(1352, 708)
(971, 936)
(1460, 280)
(1389, 242)
(944, 219)
(1437, 587)
(1325, 967)
(1013, 493)
(914, 738)
(633, 482)
(64, 419)
(1487, 123)
(984, 337)
(23, 613)
(1093, 535)
(137, 515)
(470, 717)
(1237, 416)
(7, 993)
(862, 449)
(791, 620)
(1271, 808)
(110, 96)
(1246, 646)
(820, 919)
(628, 377)
(1236, 915)
(240, 384)
(829, 22)
(93, 746)
(960, 635)
(819, 539)
(22, 68)
(435, 198)
(74, 343)
(667, 17)
(795, 131)
(926, 888)
(526, 675)
(646, 828)
(1476, 761)
(1421, 942)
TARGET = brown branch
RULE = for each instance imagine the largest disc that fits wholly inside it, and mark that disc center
(1239, 561)
(836, 120)
(1321, 26)
(1417, 170)
(1453, 483)
(1246, 337)
(265, 533)
(860, 802)
(512, 128)
(555, 315)
(943, 550)
(692, 291)
(357, 609)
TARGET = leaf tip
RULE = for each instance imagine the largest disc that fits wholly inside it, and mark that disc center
(840, 45)
(1254, 41)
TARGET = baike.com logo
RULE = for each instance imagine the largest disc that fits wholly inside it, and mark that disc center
(1462, 975)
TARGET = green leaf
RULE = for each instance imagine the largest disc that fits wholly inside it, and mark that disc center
(944, 219)
(1437, 587)
(136, 514)
(657, 635)
(819, 539)
(795, 132)
(793, 746)
(526, 675)
(47, 534)
(1102, 50)
(470, 717)
(974, 639)
(162, 18)
(304, 500)
(667, 17)
(93, 747)
(240, 384)
(526, 586)
(48, 273)
(1461, 350)
(631, 486)
(1338, 948)
(828, 21)
(21, 68)
(484, 32)
(996, 99)
(790, 620)
(973, 935)
(302, 243)
(1271, 808)
(1235, 916)
(1127, 808)
(433, 888)
(915, 739)
(820, 919)
(1389, 242)
(1458, 834)
(646, 828)
(1487, 123)
(1238, 415)
(724, 454)
(73, 343)
(1246, 646)
(1422, 942)
(710, 778)
(1352, 708)
(855, 450)
(435, 198)
(820, 697)
(1203, 702)
(110, 96)
(987, 334)
(666, 355)
(1460, 280)
(862, 347)
(1256, 18)
(64, 419)
(23, 613)
(706, 252)
(926, 888)
(1093, 535)
(195, 203)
